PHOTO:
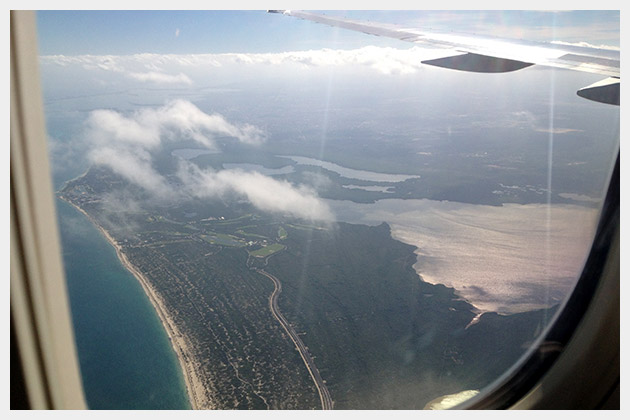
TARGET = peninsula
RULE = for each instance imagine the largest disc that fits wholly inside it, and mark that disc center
(354, 326)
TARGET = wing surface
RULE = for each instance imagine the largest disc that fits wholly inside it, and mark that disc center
(489, 54)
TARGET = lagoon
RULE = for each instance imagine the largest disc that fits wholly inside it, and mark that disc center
(350, 173)
(506, 259)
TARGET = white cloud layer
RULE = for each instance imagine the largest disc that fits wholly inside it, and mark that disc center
(382, 59)
(587, 45)
(264, 192)
(132, 67)
(178, 119)
(175, 68)
(158, 77)
(128, 145)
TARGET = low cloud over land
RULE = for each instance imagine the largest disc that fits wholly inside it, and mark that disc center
(128, 145)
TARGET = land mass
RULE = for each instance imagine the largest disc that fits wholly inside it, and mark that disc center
(376, 334)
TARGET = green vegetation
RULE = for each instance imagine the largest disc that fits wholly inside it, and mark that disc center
(466, 175)
(305, 227)
(282, 233)
(223, 239)
(267, 251)
(380, 336)
(251, 235)
(383, 338)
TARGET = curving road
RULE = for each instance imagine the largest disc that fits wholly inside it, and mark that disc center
(324, 395)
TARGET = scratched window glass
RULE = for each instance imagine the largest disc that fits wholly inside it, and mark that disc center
(259, 211)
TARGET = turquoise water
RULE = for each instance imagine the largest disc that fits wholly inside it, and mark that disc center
(126, 358)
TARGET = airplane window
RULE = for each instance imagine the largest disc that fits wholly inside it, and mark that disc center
(261, 212)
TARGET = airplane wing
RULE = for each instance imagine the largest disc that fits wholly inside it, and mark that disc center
(486, 54)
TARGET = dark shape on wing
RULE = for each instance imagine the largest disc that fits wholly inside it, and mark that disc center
(478, 63)
(606, 91)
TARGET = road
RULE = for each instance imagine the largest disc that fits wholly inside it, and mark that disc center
(324, 395)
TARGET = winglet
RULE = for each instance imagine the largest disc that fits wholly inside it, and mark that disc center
(605, 91)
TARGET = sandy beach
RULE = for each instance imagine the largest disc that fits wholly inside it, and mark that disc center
(194, 386)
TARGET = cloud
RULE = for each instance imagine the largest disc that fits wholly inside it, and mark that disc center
(265, 193)
(95, 62)
(133, 67)
(384, 60)
(177, 120)
(105, 126)
(158, 77)
(129, 144)
(587, 45)
(134, 165)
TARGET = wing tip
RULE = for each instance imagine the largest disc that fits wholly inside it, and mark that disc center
(606, 91)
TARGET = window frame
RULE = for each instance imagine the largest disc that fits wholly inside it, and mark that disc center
(41, 328)
(40, 311)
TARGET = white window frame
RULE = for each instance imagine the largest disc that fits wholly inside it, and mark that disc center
(40, 312)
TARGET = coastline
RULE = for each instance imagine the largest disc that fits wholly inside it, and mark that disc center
(194, 386)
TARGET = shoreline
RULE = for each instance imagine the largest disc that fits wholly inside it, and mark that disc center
(194, 385)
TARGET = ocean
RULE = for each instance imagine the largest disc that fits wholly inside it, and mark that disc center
(125, 356)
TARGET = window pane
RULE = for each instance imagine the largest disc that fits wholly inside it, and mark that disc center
(261, 212)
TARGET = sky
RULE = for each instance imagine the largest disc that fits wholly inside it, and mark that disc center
(122, 32)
